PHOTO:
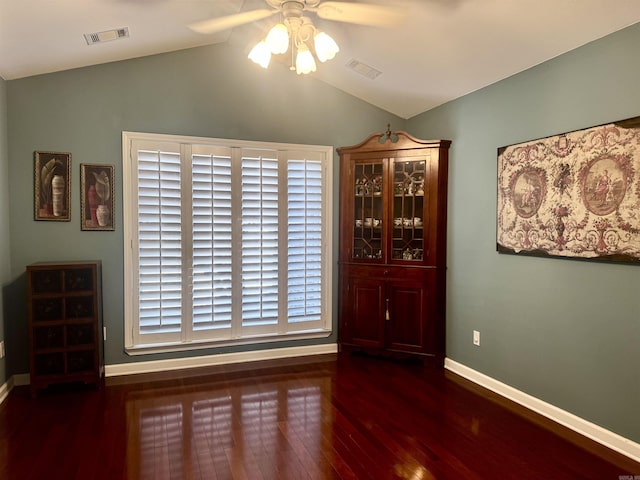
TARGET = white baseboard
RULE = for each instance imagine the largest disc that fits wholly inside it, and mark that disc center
(179, 363)
(221, 359)
(21, 379)
(5, 388)
(590, 430)
(14, 381)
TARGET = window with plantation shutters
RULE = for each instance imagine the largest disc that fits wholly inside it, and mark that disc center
(226, 242)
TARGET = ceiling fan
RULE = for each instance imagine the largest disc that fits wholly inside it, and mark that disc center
(297, 30)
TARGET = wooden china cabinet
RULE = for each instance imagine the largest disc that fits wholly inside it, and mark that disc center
(393, 224)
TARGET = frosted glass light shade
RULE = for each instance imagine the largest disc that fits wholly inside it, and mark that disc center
(278, 39)
(260, 54)
(326, 47)
(304, 60)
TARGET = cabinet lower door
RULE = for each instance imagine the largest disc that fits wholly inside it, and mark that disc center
(407, 324)
(366, 302)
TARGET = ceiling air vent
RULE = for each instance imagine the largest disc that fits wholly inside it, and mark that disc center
(363, 69)
(106, 36)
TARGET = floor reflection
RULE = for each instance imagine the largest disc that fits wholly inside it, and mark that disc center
(229, 430)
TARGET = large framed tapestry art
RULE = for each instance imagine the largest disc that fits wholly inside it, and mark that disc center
(574, 195)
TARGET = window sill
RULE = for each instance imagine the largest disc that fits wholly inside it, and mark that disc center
(208, 344)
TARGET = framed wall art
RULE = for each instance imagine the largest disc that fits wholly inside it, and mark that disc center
(574, 195)
(52, 182)
(96, 190)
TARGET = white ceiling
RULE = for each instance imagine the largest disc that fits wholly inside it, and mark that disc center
(445, 48)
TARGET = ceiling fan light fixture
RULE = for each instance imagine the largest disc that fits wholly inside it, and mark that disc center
(326, 47)
(278, 39)
(260, 54)
(297, 30)
(305, 62)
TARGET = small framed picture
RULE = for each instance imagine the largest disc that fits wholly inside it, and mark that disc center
(96, 193)
(52, 175)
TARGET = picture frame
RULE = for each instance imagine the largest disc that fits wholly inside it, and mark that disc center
(52, 186)
(96, 197)
(574, 195)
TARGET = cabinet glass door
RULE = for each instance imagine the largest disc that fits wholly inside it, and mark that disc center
(368, 211)
(408, 209)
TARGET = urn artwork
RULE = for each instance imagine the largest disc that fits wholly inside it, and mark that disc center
(97, 204)
(52, 179)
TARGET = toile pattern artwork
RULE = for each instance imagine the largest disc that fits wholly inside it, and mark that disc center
(573, 195)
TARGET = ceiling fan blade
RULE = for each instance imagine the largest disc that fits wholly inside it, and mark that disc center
(219, 24)
(361, 13)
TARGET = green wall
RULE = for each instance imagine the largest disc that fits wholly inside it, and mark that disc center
(5, 264)
(209, 91)
(564, 331)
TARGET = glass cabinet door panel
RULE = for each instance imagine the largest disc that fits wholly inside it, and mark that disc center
(408, 210)
(368, 211)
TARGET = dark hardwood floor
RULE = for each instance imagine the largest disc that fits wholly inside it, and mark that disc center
(336, 416)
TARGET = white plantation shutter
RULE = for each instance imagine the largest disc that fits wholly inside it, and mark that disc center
(304, 240)
(159, 241)
(259, 238)
(226, 241)
(212, 241)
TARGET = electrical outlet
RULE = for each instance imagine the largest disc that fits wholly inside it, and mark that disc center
(2, 349)
(476, 338)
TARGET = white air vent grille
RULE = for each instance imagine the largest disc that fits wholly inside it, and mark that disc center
(106, 36)
(363, 69)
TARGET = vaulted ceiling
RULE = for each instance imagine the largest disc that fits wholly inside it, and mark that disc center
(444, 49)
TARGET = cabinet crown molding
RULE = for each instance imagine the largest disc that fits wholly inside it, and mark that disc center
(381, 142)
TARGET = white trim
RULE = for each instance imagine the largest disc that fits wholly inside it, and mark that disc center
(221, 359)
(202, 344)
(590, 430)
(14, 381)
(21, 379)
(227, 142)
(5, 389)
(186, 339)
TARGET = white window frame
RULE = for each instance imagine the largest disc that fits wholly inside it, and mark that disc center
(189, 339)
